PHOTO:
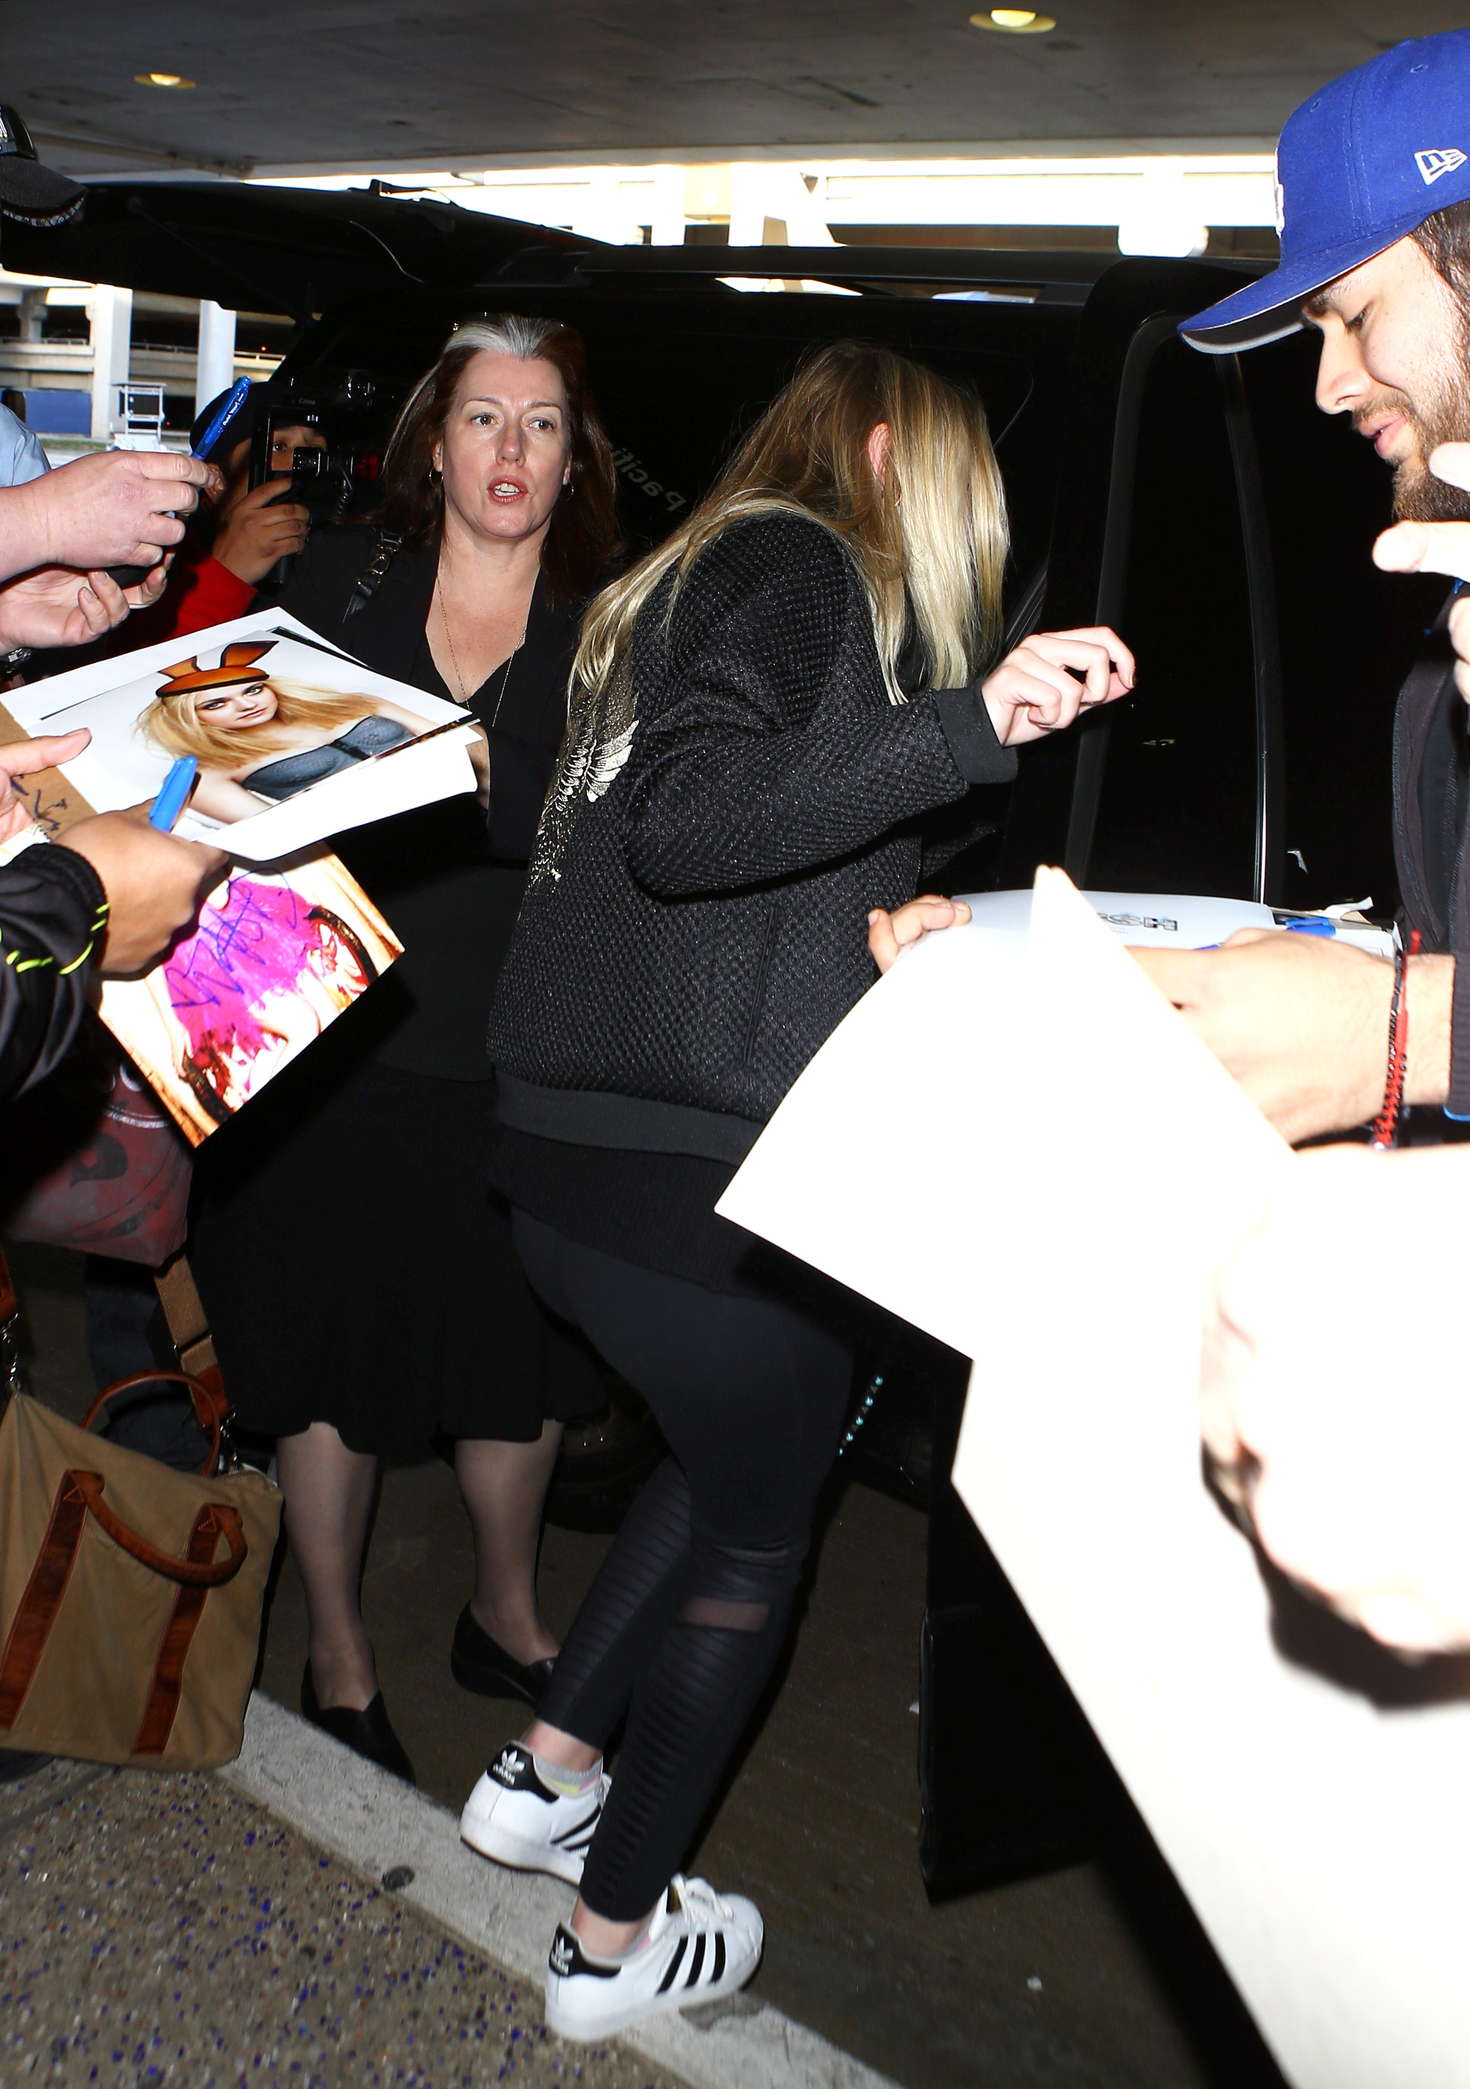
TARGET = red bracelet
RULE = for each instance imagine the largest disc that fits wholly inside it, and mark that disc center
(1385, 1129)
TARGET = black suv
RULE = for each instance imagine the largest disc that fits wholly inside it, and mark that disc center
(1197, 503)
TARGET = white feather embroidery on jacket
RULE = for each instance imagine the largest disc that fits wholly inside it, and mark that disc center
(590, 762)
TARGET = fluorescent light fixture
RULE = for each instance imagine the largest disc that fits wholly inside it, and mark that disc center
(1014, 21)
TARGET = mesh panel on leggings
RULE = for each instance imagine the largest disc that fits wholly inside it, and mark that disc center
(625, 1614)
(689, 1710)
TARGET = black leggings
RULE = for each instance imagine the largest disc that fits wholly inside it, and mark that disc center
(684, 1623)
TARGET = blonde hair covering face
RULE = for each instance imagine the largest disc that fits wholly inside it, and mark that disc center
(174, 724)
(929, 538)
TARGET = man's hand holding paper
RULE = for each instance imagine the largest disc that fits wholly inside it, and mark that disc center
(1302, 1023)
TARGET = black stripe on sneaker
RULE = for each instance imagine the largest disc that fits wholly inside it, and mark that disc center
(673, 1967)
(719, 1965)
(691, 1978)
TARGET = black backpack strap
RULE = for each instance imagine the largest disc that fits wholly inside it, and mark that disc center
(371, 578)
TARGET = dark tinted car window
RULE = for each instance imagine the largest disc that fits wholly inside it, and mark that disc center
(1163, 796)
(1349, 634)
(1178, 795)
(679, 380)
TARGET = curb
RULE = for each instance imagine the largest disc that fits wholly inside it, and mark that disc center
(359, 1812)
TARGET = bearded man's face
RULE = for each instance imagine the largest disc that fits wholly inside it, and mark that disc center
(1396, 356)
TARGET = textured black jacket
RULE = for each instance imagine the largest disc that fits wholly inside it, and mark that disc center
(52, 914)
(722, 818)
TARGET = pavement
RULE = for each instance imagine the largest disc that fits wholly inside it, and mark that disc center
(166, 1929)
(300, 1918)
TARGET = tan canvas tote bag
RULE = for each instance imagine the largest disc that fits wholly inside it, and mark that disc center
(130, 1594)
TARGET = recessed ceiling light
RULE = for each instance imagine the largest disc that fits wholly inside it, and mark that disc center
(162, 80)
(1014, 21)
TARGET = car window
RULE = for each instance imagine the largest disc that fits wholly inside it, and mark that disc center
(1349, 634)
(1177, 805)
(1168, 787)
(679, 378)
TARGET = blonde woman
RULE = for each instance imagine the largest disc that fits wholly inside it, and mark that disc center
(258, 737)
(765, 710)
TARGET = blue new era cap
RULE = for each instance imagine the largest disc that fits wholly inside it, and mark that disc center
(1360, 165)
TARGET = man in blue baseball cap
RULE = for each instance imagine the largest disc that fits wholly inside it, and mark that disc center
(1341, 1436)
(1373, 177)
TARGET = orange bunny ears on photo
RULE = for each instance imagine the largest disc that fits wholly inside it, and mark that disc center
(236, 664)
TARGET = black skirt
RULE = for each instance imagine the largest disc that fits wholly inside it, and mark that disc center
(356, 1269)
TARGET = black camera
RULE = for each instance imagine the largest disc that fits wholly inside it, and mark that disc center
(321, 480)
(325, 469)
(327, 461)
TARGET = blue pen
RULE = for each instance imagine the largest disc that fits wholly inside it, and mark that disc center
(235, 398)
(176, 787)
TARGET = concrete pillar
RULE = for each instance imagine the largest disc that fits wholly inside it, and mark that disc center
(110, 311)
(216, 368)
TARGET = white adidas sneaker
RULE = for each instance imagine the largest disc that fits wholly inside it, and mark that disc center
(700, 1945)
(516, 1819)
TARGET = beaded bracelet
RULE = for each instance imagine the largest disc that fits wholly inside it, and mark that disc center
(1385, 1129)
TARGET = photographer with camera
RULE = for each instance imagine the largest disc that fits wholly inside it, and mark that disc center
(261, 520)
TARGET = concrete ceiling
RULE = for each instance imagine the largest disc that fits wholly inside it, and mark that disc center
(334, 84)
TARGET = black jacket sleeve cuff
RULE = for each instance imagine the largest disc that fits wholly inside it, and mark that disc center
(52, 914)
(966, 726)
(71, 870)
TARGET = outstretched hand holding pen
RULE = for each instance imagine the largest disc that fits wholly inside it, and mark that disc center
(153, 881)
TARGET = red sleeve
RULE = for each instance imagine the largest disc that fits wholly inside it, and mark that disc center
(209, 594)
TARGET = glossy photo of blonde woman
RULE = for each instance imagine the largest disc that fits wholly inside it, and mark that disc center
(258, 737)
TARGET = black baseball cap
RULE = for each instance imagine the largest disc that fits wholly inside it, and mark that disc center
(241, 428)
(29, 192)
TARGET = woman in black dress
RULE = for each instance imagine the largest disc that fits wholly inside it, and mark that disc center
(351, 1196)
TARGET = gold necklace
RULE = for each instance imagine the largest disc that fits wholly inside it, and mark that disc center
(464, 693)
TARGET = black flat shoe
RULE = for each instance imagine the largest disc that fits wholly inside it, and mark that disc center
(16, 1763)
(368, 1732)
(478, 1663)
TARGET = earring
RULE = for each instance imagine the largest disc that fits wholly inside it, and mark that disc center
(435, 475)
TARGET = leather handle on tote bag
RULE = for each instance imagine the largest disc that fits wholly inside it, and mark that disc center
(78, 1495)
(191, 1573)
(211, 1408)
